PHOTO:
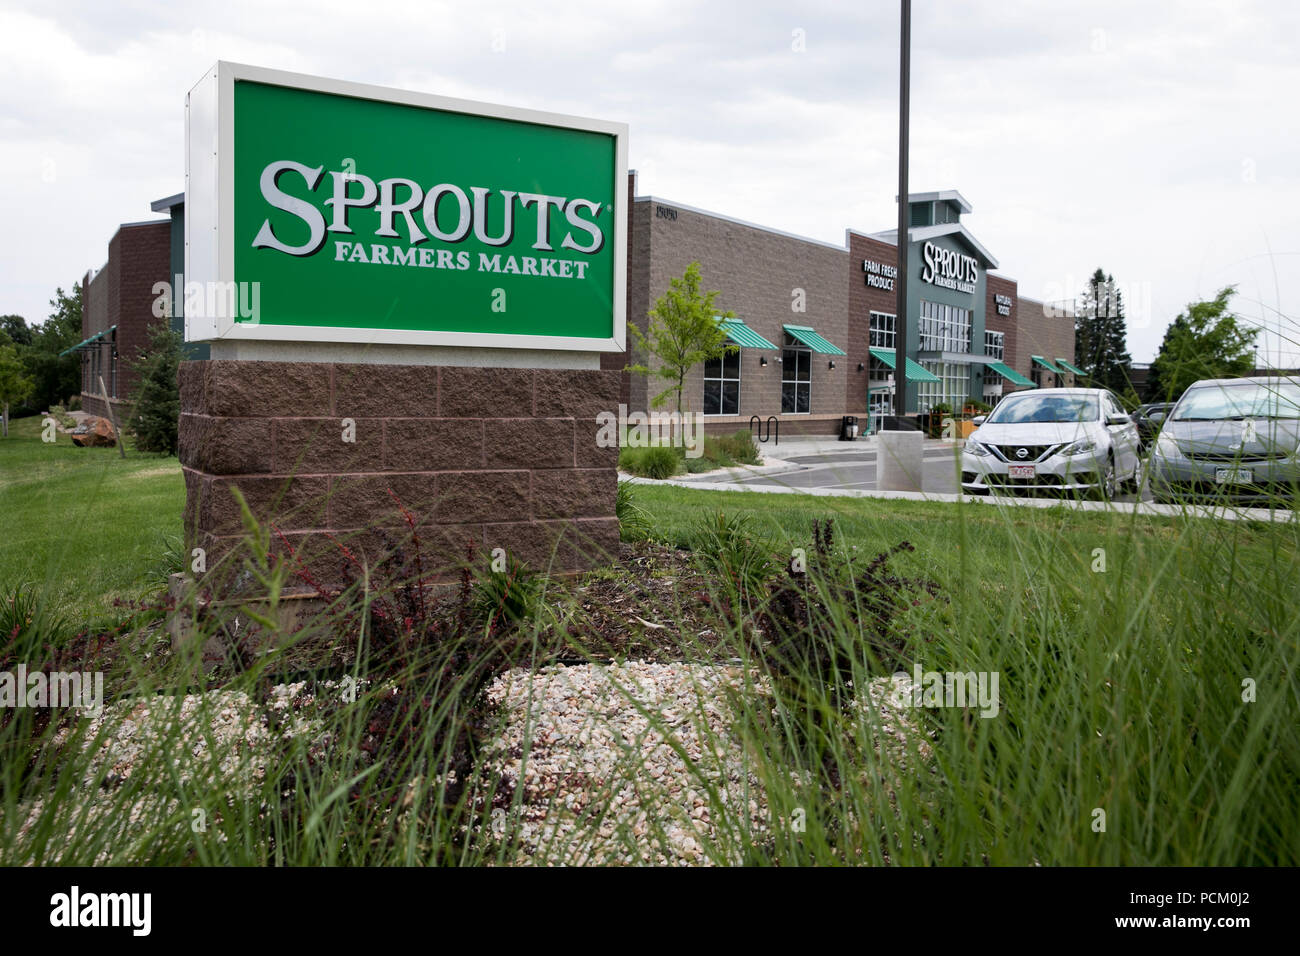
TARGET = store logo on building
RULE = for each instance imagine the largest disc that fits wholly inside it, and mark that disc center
(949, 269)
(1003, 304)
(386, 216)
(879, 275)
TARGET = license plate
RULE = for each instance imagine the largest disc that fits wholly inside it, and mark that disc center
(1020, 471)
(1234, 476)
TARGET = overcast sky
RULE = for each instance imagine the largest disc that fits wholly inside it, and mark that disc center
(1158, 140)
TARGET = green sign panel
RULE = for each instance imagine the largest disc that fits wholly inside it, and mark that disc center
(352, 214)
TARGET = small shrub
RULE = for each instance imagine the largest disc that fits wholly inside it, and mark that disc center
(659, 462)
(727, 547)
(439, 651)
(633, 520)
(171, 558)
(739, 447)
(507, 597)
(823, 616)
(713, 457)
(27, 628)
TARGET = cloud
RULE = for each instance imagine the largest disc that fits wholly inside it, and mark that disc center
(1154, 140)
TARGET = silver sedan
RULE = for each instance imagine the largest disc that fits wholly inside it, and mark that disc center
(1230, 438)
(1059, 439)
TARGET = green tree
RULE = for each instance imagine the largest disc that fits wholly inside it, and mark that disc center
(1206, 341)
(15, 383)
(55, 378)
(157, 398)
(682, 332)
(1100, 335)
(16, 328)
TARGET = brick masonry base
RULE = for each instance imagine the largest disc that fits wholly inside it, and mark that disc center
(482, 458)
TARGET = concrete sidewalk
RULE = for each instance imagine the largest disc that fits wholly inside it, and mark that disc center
(805, 446)
(790, 456)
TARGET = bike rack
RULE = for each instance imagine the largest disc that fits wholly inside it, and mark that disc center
(769, 429)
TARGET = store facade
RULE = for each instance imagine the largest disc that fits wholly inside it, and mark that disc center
(790, 329)
(816, 327)
(815, 324)
(962, 333)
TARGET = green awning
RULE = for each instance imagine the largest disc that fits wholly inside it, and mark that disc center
(743, 335)
(1011, 375)
(1047, 365)
(912, 372)
(808, 337)
(94, 338)
(1071, 368)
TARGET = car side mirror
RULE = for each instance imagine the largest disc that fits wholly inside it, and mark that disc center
(978, 420)
(1157, 416)
(1118, 420)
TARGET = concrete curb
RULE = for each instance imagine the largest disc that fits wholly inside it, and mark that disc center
(1141, 508)
(774, 466)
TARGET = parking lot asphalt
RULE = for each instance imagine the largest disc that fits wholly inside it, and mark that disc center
(852, 467)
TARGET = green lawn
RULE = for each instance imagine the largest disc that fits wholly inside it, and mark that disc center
(1148, 694)
(81, 524)
(980, 541)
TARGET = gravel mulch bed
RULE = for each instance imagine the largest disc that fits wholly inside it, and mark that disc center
(628, 763)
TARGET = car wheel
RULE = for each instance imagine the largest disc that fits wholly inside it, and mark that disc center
(1109, 484)
(1134, 483)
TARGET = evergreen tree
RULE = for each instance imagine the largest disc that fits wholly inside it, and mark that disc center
(157, 398)
(1101, 335)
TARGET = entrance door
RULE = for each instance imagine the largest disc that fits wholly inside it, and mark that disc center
(879, 404)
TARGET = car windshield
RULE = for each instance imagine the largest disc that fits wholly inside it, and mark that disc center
(1244, 400)
(1045, 408)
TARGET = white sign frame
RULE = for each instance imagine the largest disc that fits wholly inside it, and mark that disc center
(210, 213)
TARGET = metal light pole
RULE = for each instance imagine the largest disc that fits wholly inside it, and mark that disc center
(900, 287)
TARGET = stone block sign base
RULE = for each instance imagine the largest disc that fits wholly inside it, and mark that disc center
(900, 461)
(329, 454)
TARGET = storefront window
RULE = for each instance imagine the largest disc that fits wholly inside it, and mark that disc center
(883, 333)
(994, 345)
(796, 377)
(944, 328)
(722, 385)
(952, 389)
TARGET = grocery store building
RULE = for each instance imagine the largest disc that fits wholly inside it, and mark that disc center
(815, 323)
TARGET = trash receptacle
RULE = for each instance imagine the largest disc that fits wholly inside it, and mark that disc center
(849, 428)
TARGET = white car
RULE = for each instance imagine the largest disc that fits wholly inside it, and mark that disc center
(1058, 439)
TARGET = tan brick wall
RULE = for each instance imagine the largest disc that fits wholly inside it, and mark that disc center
(863, 300)
(1039, 333)
(502, 458)
(121, 294)
(756, 272)
(1006, 324)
